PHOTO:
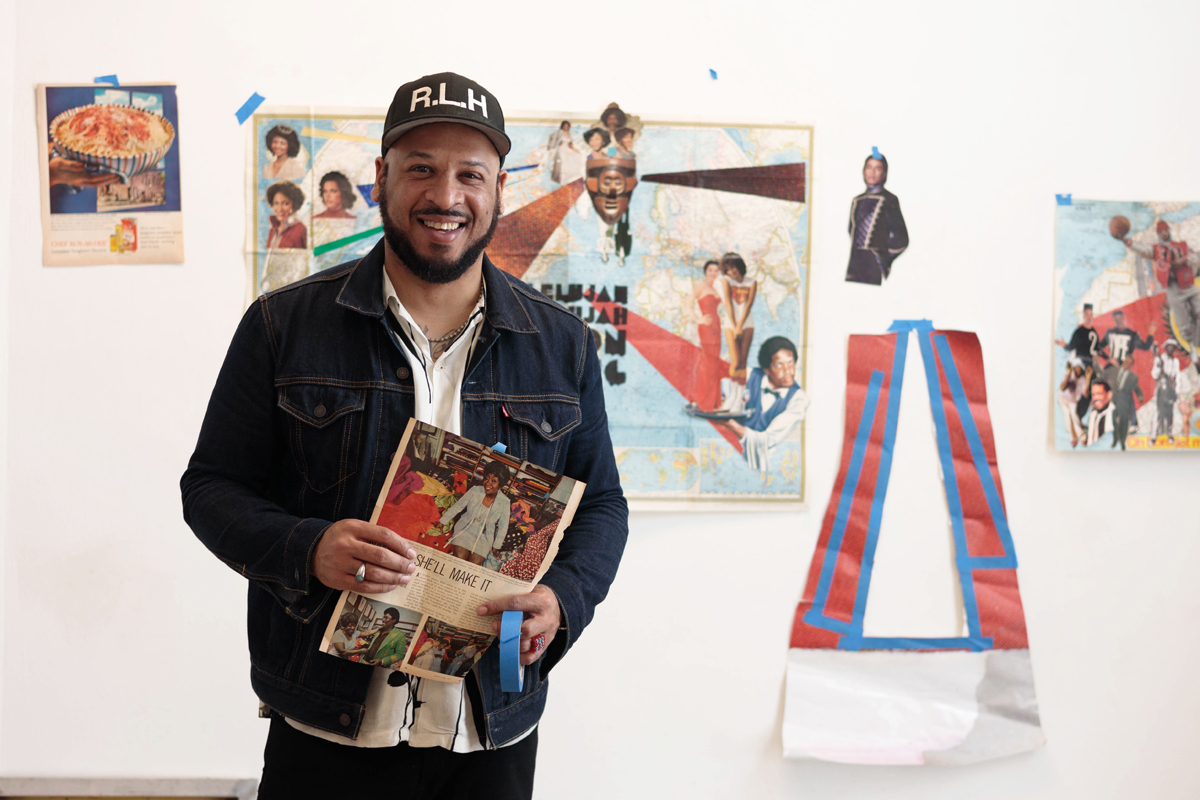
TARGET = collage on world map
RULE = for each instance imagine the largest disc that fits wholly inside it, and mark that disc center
(1126, 326)
(683, 245)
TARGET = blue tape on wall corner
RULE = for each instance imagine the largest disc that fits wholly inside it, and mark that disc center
(512, 674)
(1063, 199)
(106, 79)
(712, 73)
(252, 103)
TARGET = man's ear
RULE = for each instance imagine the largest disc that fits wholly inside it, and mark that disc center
(379, 177)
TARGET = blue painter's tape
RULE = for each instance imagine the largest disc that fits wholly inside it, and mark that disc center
(253, 102)
(365, 190)
(512, 674)
(910, 325)
(972, 643)
(875, 154)
(895, 383)
(818, 620)
(950, 484)
(712, 73)
(106, 79)
(975, 443)
(500, 447)
(1063, 199)
(816, 615)
(523, 166)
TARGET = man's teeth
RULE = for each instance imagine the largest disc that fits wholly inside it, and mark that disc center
(442, 226)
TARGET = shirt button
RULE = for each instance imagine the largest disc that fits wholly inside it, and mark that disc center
(319, 412)
(402, 372)
(547, 427)
(344, 719)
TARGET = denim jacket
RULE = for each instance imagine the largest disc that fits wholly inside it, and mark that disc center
(308, 410)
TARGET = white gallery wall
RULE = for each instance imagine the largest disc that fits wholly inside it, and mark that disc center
(123, 639)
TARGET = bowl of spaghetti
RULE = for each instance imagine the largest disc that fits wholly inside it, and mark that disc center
(112, 138)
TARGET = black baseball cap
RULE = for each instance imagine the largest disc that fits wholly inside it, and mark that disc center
(446, 97)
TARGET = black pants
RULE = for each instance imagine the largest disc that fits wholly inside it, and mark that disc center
(1120, 429)
(298, 766)
(865, 267)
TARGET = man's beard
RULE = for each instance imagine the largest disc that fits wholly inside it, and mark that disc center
(439, 270)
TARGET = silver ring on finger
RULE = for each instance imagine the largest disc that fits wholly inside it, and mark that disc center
(361, 575)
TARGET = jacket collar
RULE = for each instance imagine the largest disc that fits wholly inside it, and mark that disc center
(362, 291)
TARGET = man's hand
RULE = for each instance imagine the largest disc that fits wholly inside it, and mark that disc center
(739, 430)
(542, 616)
(74, 173)
(352, 542)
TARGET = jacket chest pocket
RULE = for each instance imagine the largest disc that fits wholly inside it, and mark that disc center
(324, 431)
(538, 430)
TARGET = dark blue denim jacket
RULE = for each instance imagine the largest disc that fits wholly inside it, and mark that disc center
(270, 473)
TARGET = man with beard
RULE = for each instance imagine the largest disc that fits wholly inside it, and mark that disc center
(316, 391)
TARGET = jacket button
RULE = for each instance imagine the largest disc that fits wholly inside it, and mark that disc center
(402, 372)
(319, 412)
(344, 719)
(547, 427)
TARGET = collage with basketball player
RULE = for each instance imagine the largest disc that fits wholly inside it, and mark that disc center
(1127, 327)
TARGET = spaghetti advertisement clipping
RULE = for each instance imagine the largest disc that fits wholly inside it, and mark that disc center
(484, 525)
(109, 175)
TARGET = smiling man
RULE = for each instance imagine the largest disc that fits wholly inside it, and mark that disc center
(315, 393)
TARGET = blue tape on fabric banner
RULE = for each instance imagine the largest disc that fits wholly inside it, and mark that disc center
(875, 154)
(712, 73)
(500, 447)
(975, 443)
(973, 643)
(106, 79)
(950, 484)
(512, 674)
(1063, 199)
(895, 384)
(253, 102)
(816, 615)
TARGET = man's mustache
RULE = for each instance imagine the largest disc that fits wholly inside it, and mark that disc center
(434, 210)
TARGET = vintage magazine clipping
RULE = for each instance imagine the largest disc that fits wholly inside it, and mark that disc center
(484, 526)
(683, 245)
(109, 175)
(1126, 327)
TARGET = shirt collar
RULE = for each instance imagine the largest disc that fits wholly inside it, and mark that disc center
(391, 301)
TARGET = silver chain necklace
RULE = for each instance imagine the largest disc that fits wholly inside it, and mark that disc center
(454, 334)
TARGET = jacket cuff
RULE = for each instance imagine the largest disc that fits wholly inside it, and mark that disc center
(571, 607)
(302, 594)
